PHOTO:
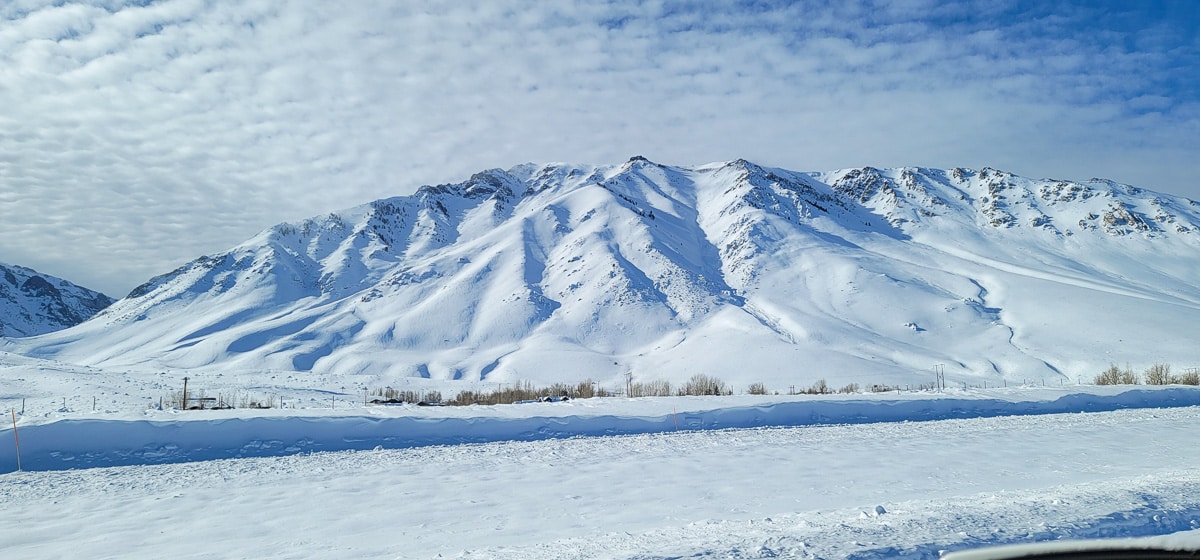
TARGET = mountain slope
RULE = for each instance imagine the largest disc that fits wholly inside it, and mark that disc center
(562, 272)
(32, 303)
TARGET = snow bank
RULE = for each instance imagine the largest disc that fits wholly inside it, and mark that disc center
(806, 492)
(84, 443)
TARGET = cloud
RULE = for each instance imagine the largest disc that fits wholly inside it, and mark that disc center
(137, 137)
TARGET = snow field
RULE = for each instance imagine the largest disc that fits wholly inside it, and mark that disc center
(857, 479)
(880, 490)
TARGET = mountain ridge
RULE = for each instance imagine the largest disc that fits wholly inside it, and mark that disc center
(33, 303)
(541, 272)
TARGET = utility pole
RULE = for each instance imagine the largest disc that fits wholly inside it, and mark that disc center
(939, 371)
(185, 380)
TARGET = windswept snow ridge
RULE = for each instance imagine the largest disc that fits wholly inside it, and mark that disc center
(85, 443)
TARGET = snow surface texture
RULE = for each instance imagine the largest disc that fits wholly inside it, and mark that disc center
(1010, 470)
(32, 303)
(561, 273)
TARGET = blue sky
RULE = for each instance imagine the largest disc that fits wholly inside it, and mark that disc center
(135, 136)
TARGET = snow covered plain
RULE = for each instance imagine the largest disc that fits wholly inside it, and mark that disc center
(857, 476)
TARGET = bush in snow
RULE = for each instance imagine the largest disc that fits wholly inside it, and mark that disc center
(701, 384)
(650, 389)
(1117, 376)
(848, 389)
(821, 387)
(1158, 374)
(1190, 378)
(757, 389)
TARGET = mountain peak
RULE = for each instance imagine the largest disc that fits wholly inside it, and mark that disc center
(32, 303)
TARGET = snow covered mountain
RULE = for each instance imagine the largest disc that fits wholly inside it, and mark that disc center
(32, 303)
(751, 274)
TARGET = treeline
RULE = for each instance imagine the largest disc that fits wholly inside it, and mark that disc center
(698, 385)
(526, 392)
(1157, 374)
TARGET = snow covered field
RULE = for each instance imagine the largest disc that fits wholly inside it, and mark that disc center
(860, 476)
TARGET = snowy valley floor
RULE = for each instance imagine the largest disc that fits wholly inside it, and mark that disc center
(871, 489)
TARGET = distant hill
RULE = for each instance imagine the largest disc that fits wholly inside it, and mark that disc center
(32, 303)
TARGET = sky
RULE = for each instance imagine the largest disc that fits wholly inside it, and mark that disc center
(136, 136)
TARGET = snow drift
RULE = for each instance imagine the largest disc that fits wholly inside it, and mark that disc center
(100, 442)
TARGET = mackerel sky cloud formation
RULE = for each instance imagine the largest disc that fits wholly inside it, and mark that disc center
(135, 136)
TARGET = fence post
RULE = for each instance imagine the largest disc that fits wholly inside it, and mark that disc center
(16, 439)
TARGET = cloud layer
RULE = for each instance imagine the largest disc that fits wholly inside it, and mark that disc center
(137, 136)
